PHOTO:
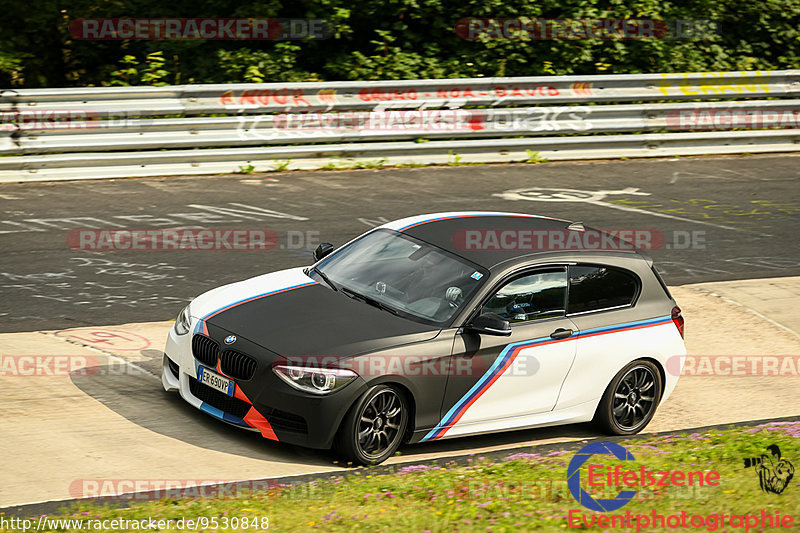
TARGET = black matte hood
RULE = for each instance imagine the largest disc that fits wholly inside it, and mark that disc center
(315, 320)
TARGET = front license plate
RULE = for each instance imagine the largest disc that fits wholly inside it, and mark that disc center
(215, 381)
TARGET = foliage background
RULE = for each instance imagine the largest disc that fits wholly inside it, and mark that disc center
(381, 39)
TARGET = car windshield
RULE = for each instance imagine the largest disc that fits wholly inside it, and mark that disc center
(403, 275)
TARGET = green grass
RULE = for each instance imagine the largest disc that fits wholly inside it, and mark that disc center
(535, 157)
(347, 164)
(245, 169)
(280, 166)
(519, 492)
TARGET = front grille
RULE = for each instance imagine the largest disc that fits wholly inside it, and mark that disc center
(286, 421)
(220, 400)
(237, 365)
(205, 350)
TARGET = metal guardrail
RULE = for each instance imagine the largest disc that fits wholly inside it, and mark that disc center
(130, 131)
(147, 134)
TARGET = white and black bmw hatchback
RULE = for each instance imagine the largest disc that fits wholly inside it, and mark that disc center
(426, 328)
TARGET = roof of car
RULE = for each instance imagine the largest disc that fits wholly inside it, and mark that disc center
(486, 238)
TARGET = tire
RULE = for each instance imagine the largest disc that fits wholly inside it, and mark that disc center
(630, 400)
(374, 427)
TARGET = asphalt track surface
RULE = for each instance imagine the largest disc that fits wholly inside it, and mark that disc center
(722, 218)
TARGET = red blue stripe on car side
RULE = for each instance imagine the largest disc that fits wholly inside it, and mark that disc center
(471, 215)
(507, 357)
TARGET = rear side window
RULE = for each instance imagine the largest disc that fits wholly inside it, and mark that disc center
(595, 287)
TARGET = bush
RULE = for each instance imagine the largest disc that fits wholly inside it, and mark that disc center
(375, 39)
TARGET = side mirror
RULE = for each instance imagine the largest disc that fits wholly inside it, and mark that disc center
(322, 250)
(490, 324)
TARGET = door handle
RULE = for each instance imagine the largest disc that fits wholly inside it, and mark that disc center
(561, 333)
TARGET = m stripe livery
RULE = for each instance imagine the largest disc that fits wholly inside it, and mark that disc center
(200, 327)
(507, 357)
(473, 215)
(253, 419)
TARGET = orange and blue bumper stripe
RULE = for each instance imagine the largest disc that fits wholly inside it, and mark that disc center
(253, 419)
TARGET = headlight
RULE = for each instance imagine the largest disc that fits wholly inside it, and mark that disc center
(183, 322)
(314, 380)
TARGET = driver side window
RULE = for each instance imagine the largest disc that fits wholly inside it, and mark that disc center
(534, 296)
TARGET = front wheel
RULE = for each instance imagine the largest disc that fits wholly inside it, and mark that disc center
(630, 400)
(374, 427)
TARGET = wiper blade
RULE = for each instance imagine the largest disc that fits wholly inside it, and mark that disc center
(325, 278)
(383, 306)
(353, 294)
(371, 301)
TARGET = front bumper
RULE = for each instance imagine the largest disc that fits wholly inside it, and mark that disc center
(263, 403)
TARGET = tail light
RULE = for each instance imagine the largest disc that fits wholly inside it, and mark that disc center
(678, 319)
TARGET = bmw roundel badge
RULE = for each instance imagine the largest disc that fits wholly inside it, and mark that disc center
(230, 339)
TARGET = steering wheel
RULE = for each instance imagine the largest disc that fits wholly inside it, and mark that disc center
(454, 296)
(518, 310)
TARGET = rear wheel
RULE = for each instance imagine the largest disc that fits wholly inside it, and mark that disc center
(630, 400)
(374, 427)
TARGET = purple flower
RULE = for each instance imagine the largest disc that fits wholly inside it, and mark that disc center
(415, 468)
(522, 455)
(556, 453)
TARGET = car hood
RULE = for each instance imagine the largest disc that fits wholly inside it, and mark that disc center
(290, 314)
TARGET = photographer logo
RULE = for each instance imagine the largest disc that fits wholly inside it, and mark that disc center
(774, 472)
